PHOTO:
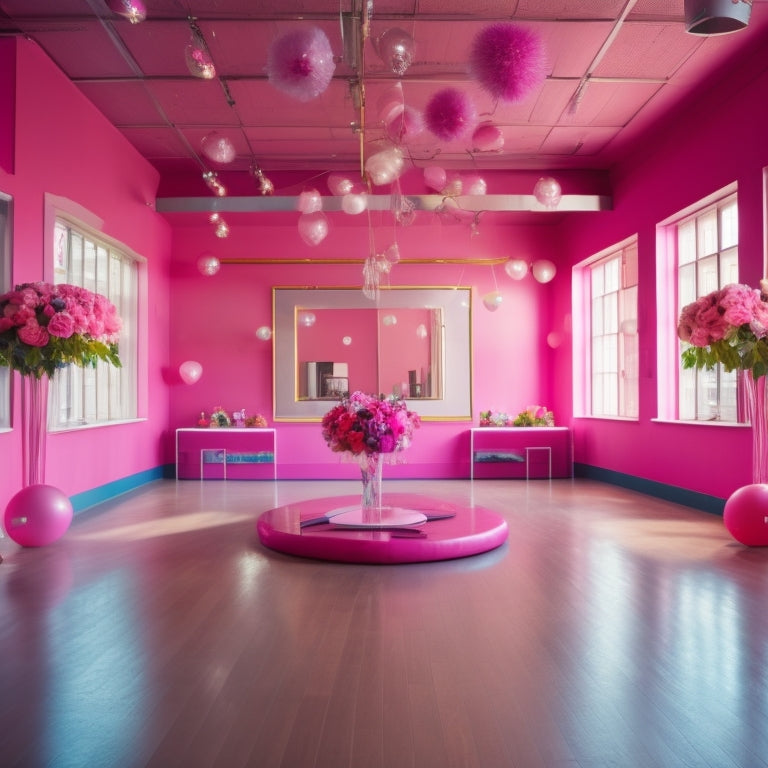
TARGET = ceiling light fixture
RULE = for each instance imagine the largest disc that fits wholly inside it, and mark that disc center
(716, 17)
(198, 57)
(266, 187)
(133, 10)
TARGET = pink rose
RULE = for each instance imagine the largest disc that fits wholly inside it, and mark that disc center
(61, 325)
(33, 334)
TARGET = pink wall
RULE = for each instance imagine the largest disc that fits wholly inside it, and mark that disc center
(701, 150)
(64, 147)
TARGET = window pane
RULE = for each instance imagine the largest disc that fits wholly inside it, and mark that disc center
(706, 234)
(729, 225)
(686, 242)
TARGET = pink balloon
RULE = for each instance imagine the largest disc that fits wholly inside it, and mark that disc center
(488, 138)
(313, 227)
(218, 148)
(391, 102)
(407, 123)
(435, 178)
(190, 371)
(38, 515)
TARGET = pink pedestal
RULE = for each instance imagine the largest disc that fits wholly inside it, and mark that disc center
(470, 531)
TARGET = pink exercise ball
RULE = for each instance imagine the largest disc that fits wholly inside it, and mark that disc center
(38, 515)
(746, 515)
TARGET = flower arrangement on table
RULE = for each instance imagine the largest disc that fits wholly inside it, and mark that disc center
(494, 419)
(45, 326)
(728, 326)
(220, 418)
(364, 425)
(534, 416)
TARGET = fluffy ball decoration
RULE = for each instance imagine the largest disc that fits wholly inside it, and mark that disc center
(508, 61)
(450, 114)
(300, 63)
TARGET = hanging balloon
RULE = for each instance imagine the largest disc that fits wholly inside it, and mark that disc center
(300, 64)
(421, 331)
(492, 301)
(389, 320)
(508, 61)
(488, 138)
(190, 371)
(313, 227)
(346, 341)
(395, 48)
(354, 203)
(307, 319)
(392, 254)
(517, 269)
(450, 114)
(218, 148)
(547, 192)
(474, 185)
(390, 103)
(543, 270)
(339, 184)
(435, 178)
(208, 265)
(454, 186)
(264, 333)
(310, 201)
(385, 166)
(406, 124)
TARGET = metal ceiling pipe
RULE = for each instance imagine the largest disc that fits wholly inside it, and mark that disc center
(716, 17)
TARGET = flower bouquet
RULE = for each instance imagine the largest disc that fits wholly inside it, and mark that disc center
(494, 419)
(44, 327)
(220, 418)
(534, 416)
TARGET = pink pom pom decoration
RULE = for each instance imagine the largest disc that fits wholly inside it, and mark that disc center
(450, 114)
(300, 63)
(508, 61)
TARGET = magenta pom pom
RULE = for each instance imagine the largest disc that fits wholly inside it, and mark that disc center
(508, 61)
(300, 63)
(450, 114)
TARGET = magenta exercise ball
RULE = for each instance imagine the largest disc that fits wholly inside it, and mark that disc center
(38, 515)
(746, 515)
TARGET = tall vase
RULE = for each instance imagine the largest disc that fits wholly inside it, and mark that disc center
(34, 428)
(38, 514)
(755, 406)
(370, 468)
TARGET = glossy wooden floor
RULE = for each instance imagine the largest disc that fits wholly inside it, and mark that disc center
(612, 629)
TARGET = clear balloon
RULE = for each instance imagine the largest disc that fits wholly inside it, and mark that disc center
(354, 203)
(264, 333)
(391, 103)
(474, 185)
(190, 371)
(307, 319)
(543, 270)
(435, 178)
(339, 184)
(517, 269)
(395, 48)
(421, 331)
(547, 192)
(208, 265)
(313, 227)
(488, 138)
(218, 148)
(492, 300)
(392, 254)
(385, 166)
(405, 124)
(310, 201)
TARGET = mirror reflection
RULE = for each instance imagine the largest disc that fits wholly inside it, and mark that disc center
(393, 351)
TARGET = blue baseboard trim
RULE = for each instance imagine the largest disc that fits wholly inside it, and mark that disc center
(701, 501)
(86, 499)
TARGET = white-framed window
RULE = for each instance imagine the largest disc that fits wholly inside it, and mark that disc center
(103, 394)
(6, 207)
(606, 374)
(706, 255)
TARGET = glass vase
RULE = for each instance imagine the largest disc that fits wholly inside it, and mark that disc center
(755, 406)
(370, 468)
(34, 417)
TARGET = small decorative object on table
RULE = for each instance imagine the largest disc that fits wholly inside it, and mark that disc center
(257, 421)
(44, 327)
(730, 326)
(494, 419)
(368, 428)
(534, 416)
(220, 418)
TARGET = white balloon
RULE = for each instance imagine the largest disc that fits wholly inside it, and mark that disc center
(421, 331)
(517, 269)
(307, 319)
(264, 333)
(543, 270)
(389, 320)
(475, 185)
(208, 265)
(547, 192)
(218, 148)
(354, 203)
(492, 300)
(339, 184)
(346, 341)
(310, 201)
(392, 254)
(313, 227)
(385, 166)
(190, 371)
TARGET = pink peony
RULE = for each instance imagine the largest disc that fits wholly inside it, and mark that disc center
(33, 334)
(61, 325)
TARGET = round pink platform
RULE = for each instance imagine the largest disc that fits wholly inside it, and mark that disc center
(450, 531)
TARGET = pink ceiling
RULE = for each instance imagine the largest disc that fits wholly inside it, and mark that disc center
(613, 68)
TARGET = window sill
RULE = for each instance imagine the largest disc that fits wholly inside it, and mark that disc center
(714, 423)
(97, 425)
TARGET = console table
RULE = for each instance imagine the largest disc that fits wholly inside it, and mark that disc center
(229, 453)
(520, 452)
